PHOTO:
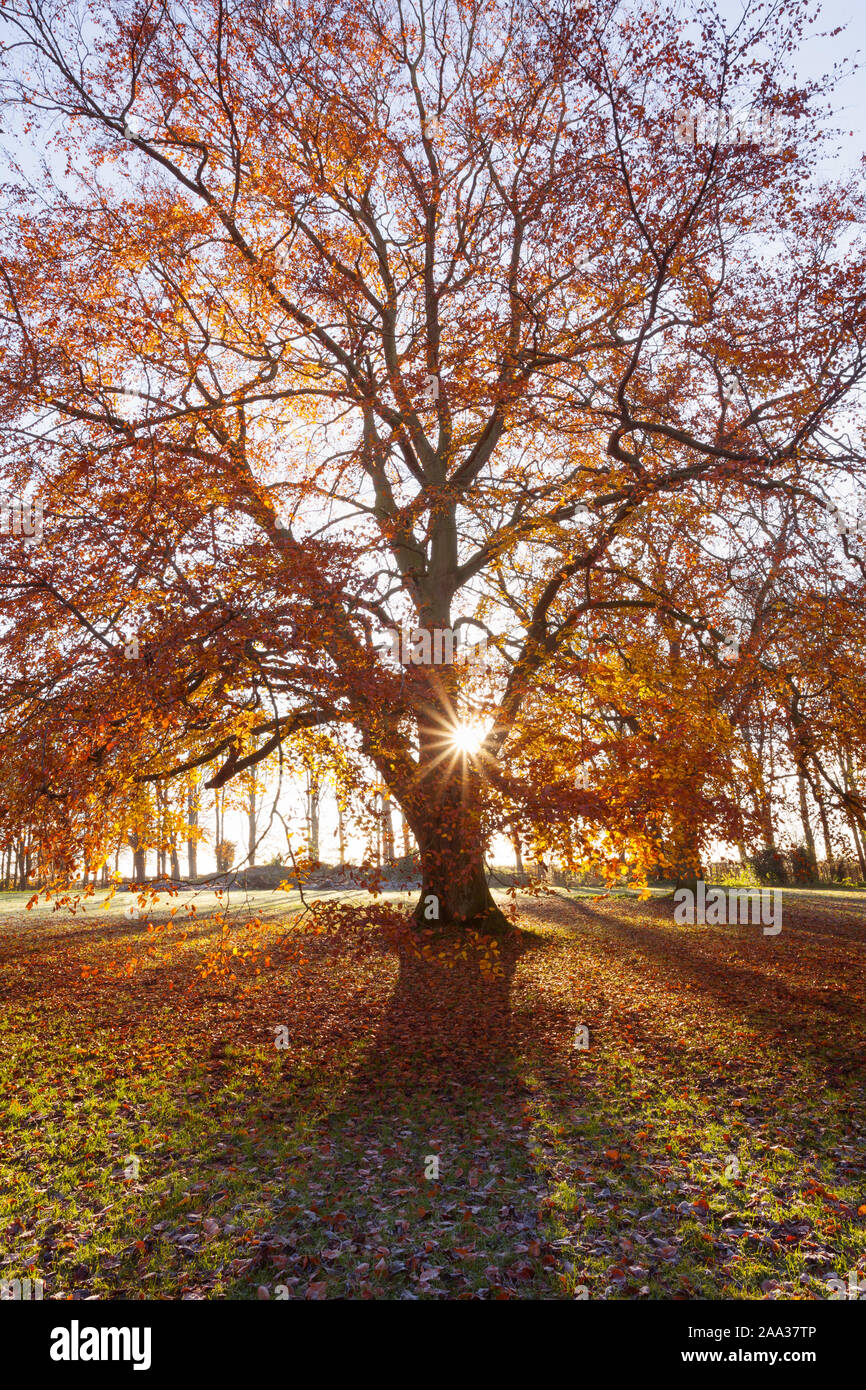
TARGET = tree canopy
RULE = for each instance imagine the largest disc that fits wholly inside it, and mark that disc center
(321, 320)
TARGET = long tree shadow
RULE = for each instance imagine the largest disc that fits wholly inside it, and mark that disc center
(614, 1116)
(426, 1151)
(761, 981)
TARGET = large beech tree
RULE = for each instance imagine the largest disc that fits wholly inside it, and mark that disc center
(323, 319)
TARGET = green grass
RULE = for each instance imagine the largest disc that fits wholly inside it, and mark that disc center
(301, 1171)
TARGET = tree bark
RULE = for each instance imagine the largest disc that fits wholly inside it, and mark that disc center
(388, 853)
(518, 857)
(825, 825)
(851, 788)
(454, 890)
(139, 858)
(313, 795)
(804, 814)
(24, 863)
(192, 822)
(252, 819)
(219, 815)
(444, 804)
(685, 858)
(406, 832)
(161, 832)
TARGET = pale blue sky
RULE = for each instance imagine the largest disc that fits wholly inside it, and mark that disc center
(818, 56)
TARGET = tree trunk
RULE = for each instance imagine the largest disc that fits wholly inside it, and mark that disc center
(139, 858)
(518, 857)
(220, 818)
(825, 825)
(341, 832)
(454, 889)
(443, 803)
(387, 828)
(192, 822)
(762, 795)
(804, 814)
(24, 864)
(850, 814)
(448, 829)
(861, 857)
(251, 821)
(161, 868)
(313, 794)
(684, 856)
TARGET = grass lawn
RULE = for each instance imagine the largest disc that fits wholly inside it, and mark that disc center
(159, 1143)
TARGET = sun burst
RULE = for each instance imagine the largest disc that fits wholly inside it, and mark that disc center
(468, 738)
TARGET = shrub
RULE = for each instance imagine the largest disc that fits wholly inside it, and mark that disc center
(225, 855)
(769, 865)
(804, 865)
